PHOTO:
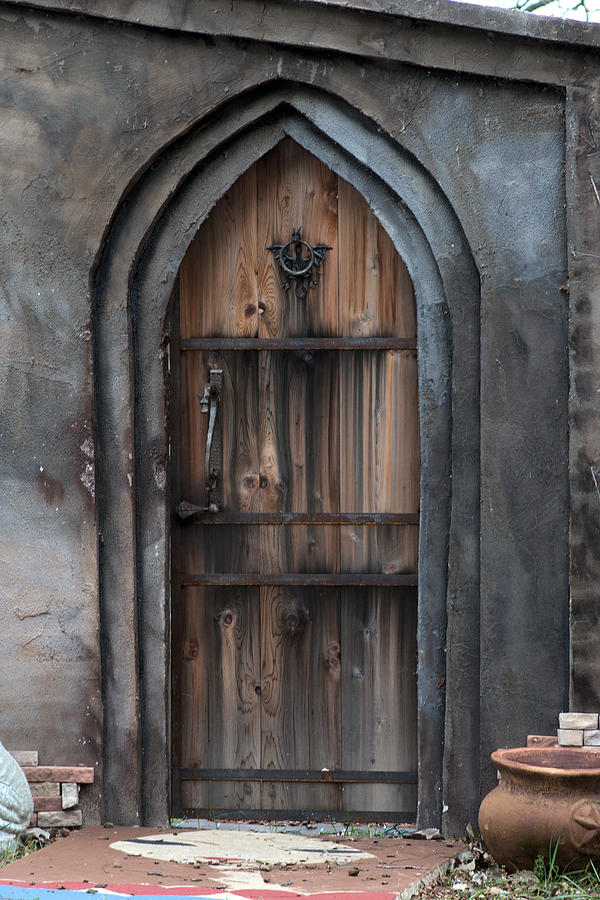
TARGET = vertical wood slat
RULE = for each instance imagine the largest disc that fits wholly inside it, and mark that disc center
(295, 189)
(379, 455)
(219, 269)
(378, 637)
(217, 646)
(376, 296)
(300, 709)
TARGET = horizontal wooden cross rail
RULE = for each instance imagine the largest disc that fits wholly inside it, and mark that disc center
(327, 776)
(318, 578)
(235, 518)
(299, 343)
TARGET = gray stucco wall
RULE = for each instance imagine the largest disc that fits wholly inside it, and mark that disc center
(87, 105)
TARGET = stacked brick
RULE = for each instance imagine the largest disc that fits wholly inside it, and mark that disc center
(55, 790)
(578, 730)
(574, 730)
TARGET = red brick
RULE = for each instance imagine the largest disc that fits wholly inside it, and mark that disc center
(47, 804)
(79, 774)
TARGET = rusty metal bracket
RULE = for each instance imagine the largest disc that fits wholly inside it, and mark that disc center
(185, 509)
(299, 262)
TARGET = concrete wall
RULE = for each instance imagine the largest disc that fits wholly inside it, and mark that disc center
(501, 123)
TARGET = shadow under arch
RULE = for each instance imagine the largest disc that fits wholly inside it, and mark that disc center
(139, 265)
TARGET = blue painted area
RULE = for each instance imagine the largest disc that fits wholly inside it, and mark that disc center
(8, 892)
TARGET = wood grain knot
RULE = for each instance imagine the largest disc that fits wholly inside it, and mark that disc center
(191, 649)
(225, 618)
(291, 622)
(293, 619)
(249, 310)
(250, 482)
(332, 657)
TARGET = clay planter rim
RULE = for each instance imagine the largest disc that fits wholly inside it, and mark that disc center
(504, 759)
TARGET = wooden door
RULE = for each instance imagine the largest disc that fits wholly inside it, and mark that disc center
(294, 604)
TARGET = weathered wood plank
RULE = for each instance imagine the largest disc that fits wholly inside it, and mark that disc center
(299, 431)
(300, 709)
(379, 726)
(379, 455)
(376, 293)
(295, 189)
(218, 643)
(299, 457)
(218, 274)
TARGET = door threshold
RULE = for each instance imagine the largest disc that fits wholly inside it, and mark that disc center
(361, 824)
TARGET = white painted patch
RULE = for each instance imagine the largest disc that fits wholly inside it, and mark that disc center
(250, 849)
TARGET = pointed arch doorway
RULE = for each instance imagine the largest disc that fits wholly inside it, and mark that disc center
(294, 605)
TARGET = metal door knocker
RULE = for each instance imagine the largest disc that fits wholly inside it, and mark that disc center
(299, 261)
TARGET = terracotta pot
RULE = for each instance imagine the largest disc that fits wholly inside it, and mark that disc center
(545, 794)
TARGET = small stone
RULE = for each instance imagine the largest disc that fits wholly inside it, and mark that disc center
(591, 738)
(584, 721)
(25, 757)
(69, 818)
(69, 795)
(44, 789)
(353, 871)
(570, 737)
(36, 834)
(466, 867)
(428, 834)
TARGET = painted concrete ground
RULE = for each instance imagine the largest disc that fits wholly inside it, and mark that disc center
(231, 864)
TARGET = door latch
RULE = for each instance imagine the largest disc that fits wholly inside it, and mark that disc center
(213, 453)
(210, 398)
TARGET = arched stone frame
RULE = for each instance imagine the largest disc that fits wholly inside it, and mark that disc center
(146, 244)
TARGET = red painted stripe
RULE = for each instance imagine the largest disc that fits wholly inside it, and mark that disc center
(189, 891)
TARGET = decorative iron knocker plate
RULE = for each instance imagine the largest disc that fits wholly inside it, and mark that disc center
(299, 262)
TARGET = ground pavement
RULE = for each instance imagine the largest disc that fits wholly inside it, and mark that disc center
(224, 862)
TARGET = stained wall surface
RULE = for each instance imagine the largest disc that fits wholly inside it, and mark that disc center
(88, 105)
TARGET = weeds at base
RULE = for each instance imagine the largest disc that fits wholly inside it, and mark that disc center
(486, 881)
(23, 848)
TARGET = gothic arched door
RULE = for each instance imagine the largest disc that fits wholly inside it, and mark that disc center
(295, 421)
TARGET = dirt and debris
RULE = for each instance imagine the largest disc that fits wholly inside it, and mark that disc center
(474, 875)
